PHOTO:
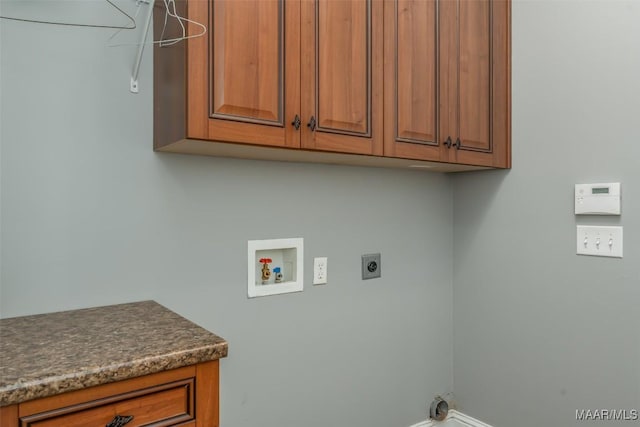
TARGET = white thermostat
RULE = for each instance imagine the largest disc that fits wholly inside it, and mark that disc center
(598, 199)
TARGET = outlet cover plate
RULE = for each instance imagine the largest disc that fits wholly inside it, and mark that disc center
(320, 271)
(371, 266)
(599, 241)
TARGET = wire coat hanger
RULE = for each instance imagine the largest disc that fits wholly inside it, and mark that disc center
(131, 26)
(170, 7)
(170, 11)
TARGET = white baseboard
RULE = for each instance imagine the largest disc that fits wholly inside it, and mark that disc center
(461, 420)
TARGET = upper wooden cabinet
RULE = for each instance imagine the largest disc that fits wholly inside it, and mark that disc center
(392, 79)
(447, 81)
(283, 73)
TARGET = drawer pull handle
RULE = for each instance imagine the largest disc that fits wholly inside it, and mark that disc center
(120, 420)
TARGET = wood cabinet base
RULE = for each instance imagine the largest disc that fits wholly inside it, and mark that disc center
(186, 396)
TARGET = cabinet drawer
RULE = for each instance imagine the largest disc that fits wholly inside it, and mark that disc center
(161, 405)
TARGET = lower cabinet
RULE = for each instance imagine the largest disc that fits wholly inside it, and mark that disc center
(186, 396)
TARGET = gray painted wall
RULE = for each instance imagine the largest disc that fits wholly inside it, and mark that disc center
(92, 216)
(540, 332)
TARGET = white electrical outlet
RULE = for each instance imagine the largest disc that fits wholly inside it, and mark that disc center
(320, 271)
(599, 241)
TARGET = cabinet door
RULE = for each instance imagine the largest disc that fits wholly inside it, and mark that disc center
(244, 76)
(475, 81)
(411, 80)
(342, 75)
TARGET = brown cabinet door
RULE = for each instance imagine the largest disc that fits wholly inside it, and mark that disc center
(411, 80)
(342, 75)
(244, 76)
(474, 81)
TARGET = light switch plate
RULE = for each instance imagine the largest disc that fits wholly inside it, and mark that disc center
(599, 241)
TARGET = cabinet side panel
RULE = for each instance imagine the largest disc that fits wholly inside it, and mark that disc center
(169, 82)
(9, 416)
(207, 394)
(501, 83)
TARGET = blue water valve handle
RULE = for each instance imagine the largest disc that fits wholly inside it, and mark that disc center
(276, 270)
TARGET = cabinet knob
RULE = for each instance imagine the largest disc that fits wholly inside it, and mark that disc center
(457, 144)
(120, 420)
(447, 142)
(296, 122)
(312, 124)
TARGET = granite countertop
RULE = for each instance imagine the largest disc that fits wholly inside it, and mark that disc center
(48, 354)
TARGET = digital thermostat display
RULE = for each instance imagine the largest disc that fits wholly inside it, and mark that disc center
(597, 199)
